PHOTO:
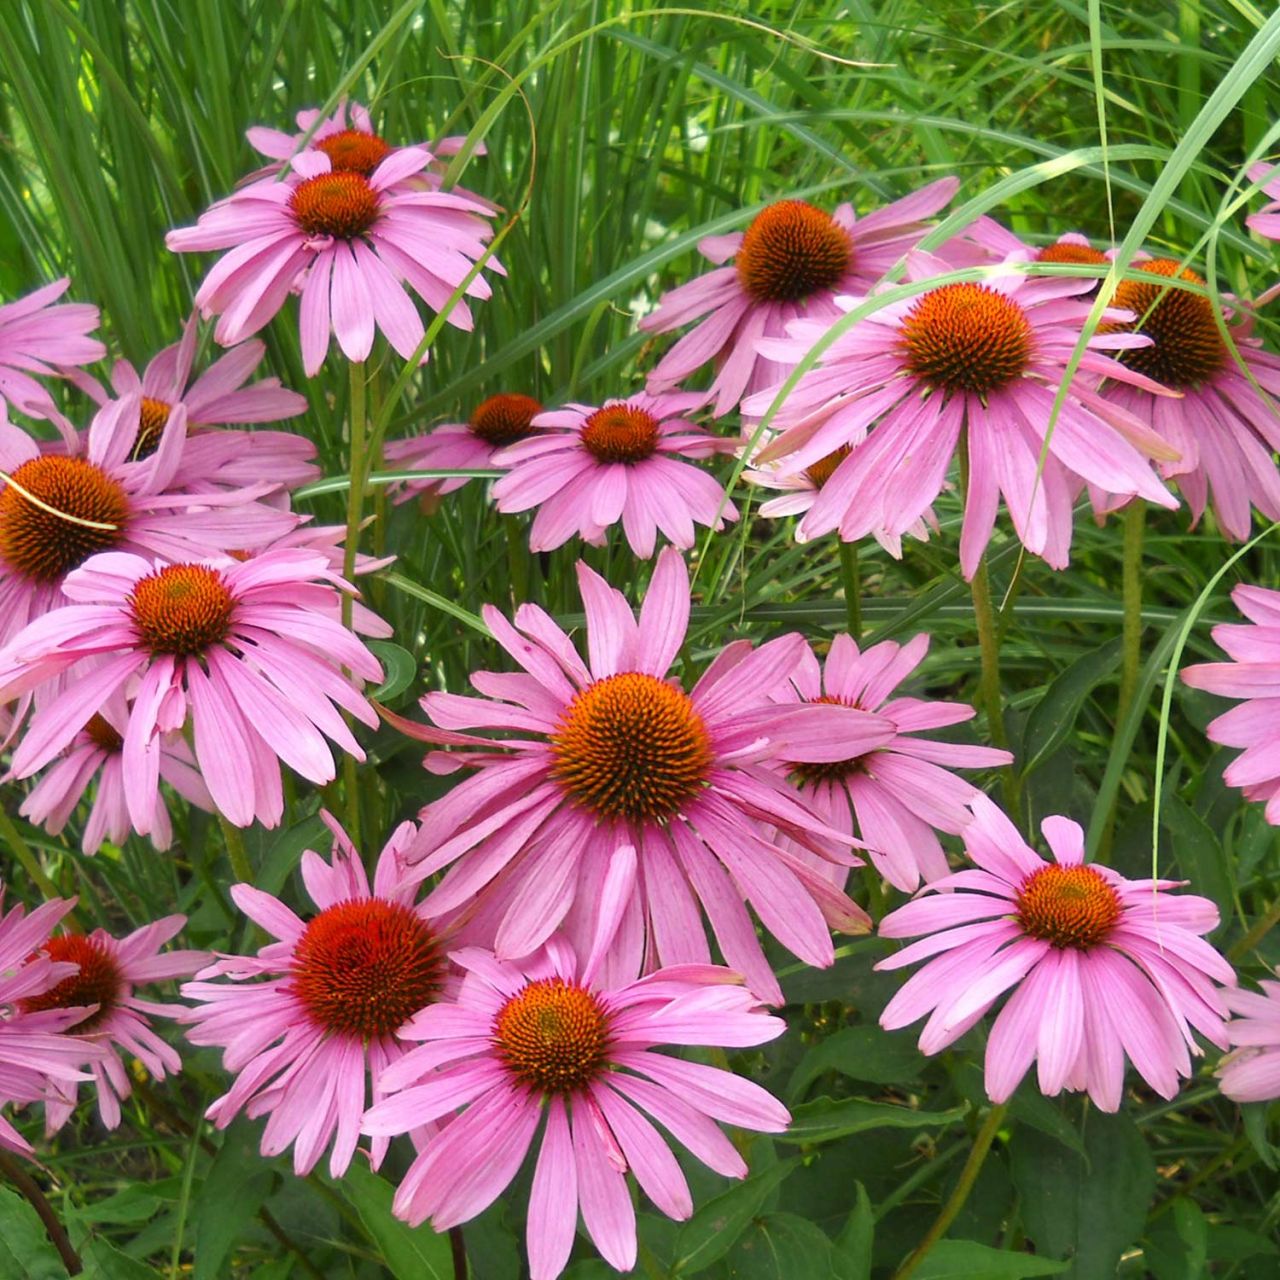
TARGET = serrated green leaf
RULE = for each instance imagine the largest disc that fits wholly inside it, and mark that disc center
(824, 1120)
(710, 1233)
(410, 1253)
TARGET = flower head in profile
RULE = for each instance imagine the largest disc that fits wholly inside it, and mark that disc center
(499, 421)
(793, 260)
(43, 337)
(142, 407)
(610, 752)
(1069, 249)
(972, 365)
(35, 1060)
(350, 244)
(108, 969)
(1253, 674)
(587, 468)
(250, 651)
(1251, 1071)
(1224, 428)
(95, 759)
(898, 796)
(1099, 966)
(307, 1023)
(548, 1036)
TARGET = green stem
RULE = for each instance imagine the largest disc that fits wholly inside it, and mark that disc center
(852, 587)
(517, 559)
(29, 1189)
(22, 851)
(355, 514)
(1256, 934)
(234, 839)
(956, 1201)
(1134, 527)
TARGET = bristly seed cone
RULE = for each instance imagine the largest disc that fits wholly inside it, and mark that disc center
(553, 1036)
(98, 982)
(620, 433)
(342, 205)
(790, 251)
(505, 418)
(1071, 906)
(353, 151)
(182, 609)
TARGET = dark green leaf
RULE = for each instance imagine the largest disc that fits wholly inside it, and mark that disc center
(709, 1234)
(851, 1256)
(399, 669)
(410, 1253)
(823, 1120)
(25, 1251)
(233, 1191)
(966, 1260)
(1054, 716)
(781, 1246)
(861, 1053)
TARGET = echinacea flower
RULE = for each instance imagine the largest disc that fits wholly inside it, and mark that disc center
(306, 1023)
(41, 336)
(793, 261)
(970, 367)
(495, 423)
(217, 398)
(34, 1058)
(108, 970)
(1225, 429)
(1251, 1071)
(61, 508)
(549, 1036)
(97, 752)
(1100, 966)
(903, 791)
(251, 651)
(588, 468)
(1069, 249)
(614, 752)
(1253, 674)
(350, 243)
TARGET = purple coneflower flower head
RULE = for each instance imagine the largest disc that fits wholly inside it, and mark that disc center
(501, 420)
(349, 244)
(549, 1036)
(97, 752)
(108, 970)
(44, 337)
(1251, 1071)
(1098, 966)
(972, 365)
(792, 261)
(587, 468)
(898, 795)
(1253, 674)
(613, 752)
(251, 651)
(1225, 429)
(1070, 249)
(307, 1023)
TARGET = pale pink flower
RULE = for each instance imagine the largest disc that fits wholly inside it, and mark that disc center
(108, 969)
(251, 651)
(1267, 221)
(43, 337)
(549, 1035)
(350, 244)
(97, 751)
(975, 363)
(1100, 966)
(897, 796)
(1069, 249)
(308, 1022)
(1251, 1071)
(613, 752)
(793, 261)
(34, 1058)
(1225, 429)
(497, 422)
(1253, 674)
(218, 397)
(588, 468)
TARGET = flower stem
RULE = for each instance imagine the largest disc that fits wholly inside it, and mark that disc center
(1134, 527)
(956, 1201)
(240, 865)
(458, 1247)
(517, 560)
(22, 851)
(1255, 935)
(357, 471)
(852, 586)
(30, 1191)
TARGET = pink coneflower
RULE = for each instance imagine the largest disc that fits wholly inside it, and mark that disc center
(114, 503)
(613, 752)
(1071, 249)
(217, 398)
(792, 261)
(39, 337)
(1254, 675)
(347, 137)
(898, 793)
(495, 423)
(972, 364)
(549, 1034)
(1101, 966)
(335, 989)
(34, 1058)
(250, 650)
(350, 243)
(589, 468)
(97, 751)
(108, 970)
(1251, 1071)
(1225, 429)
